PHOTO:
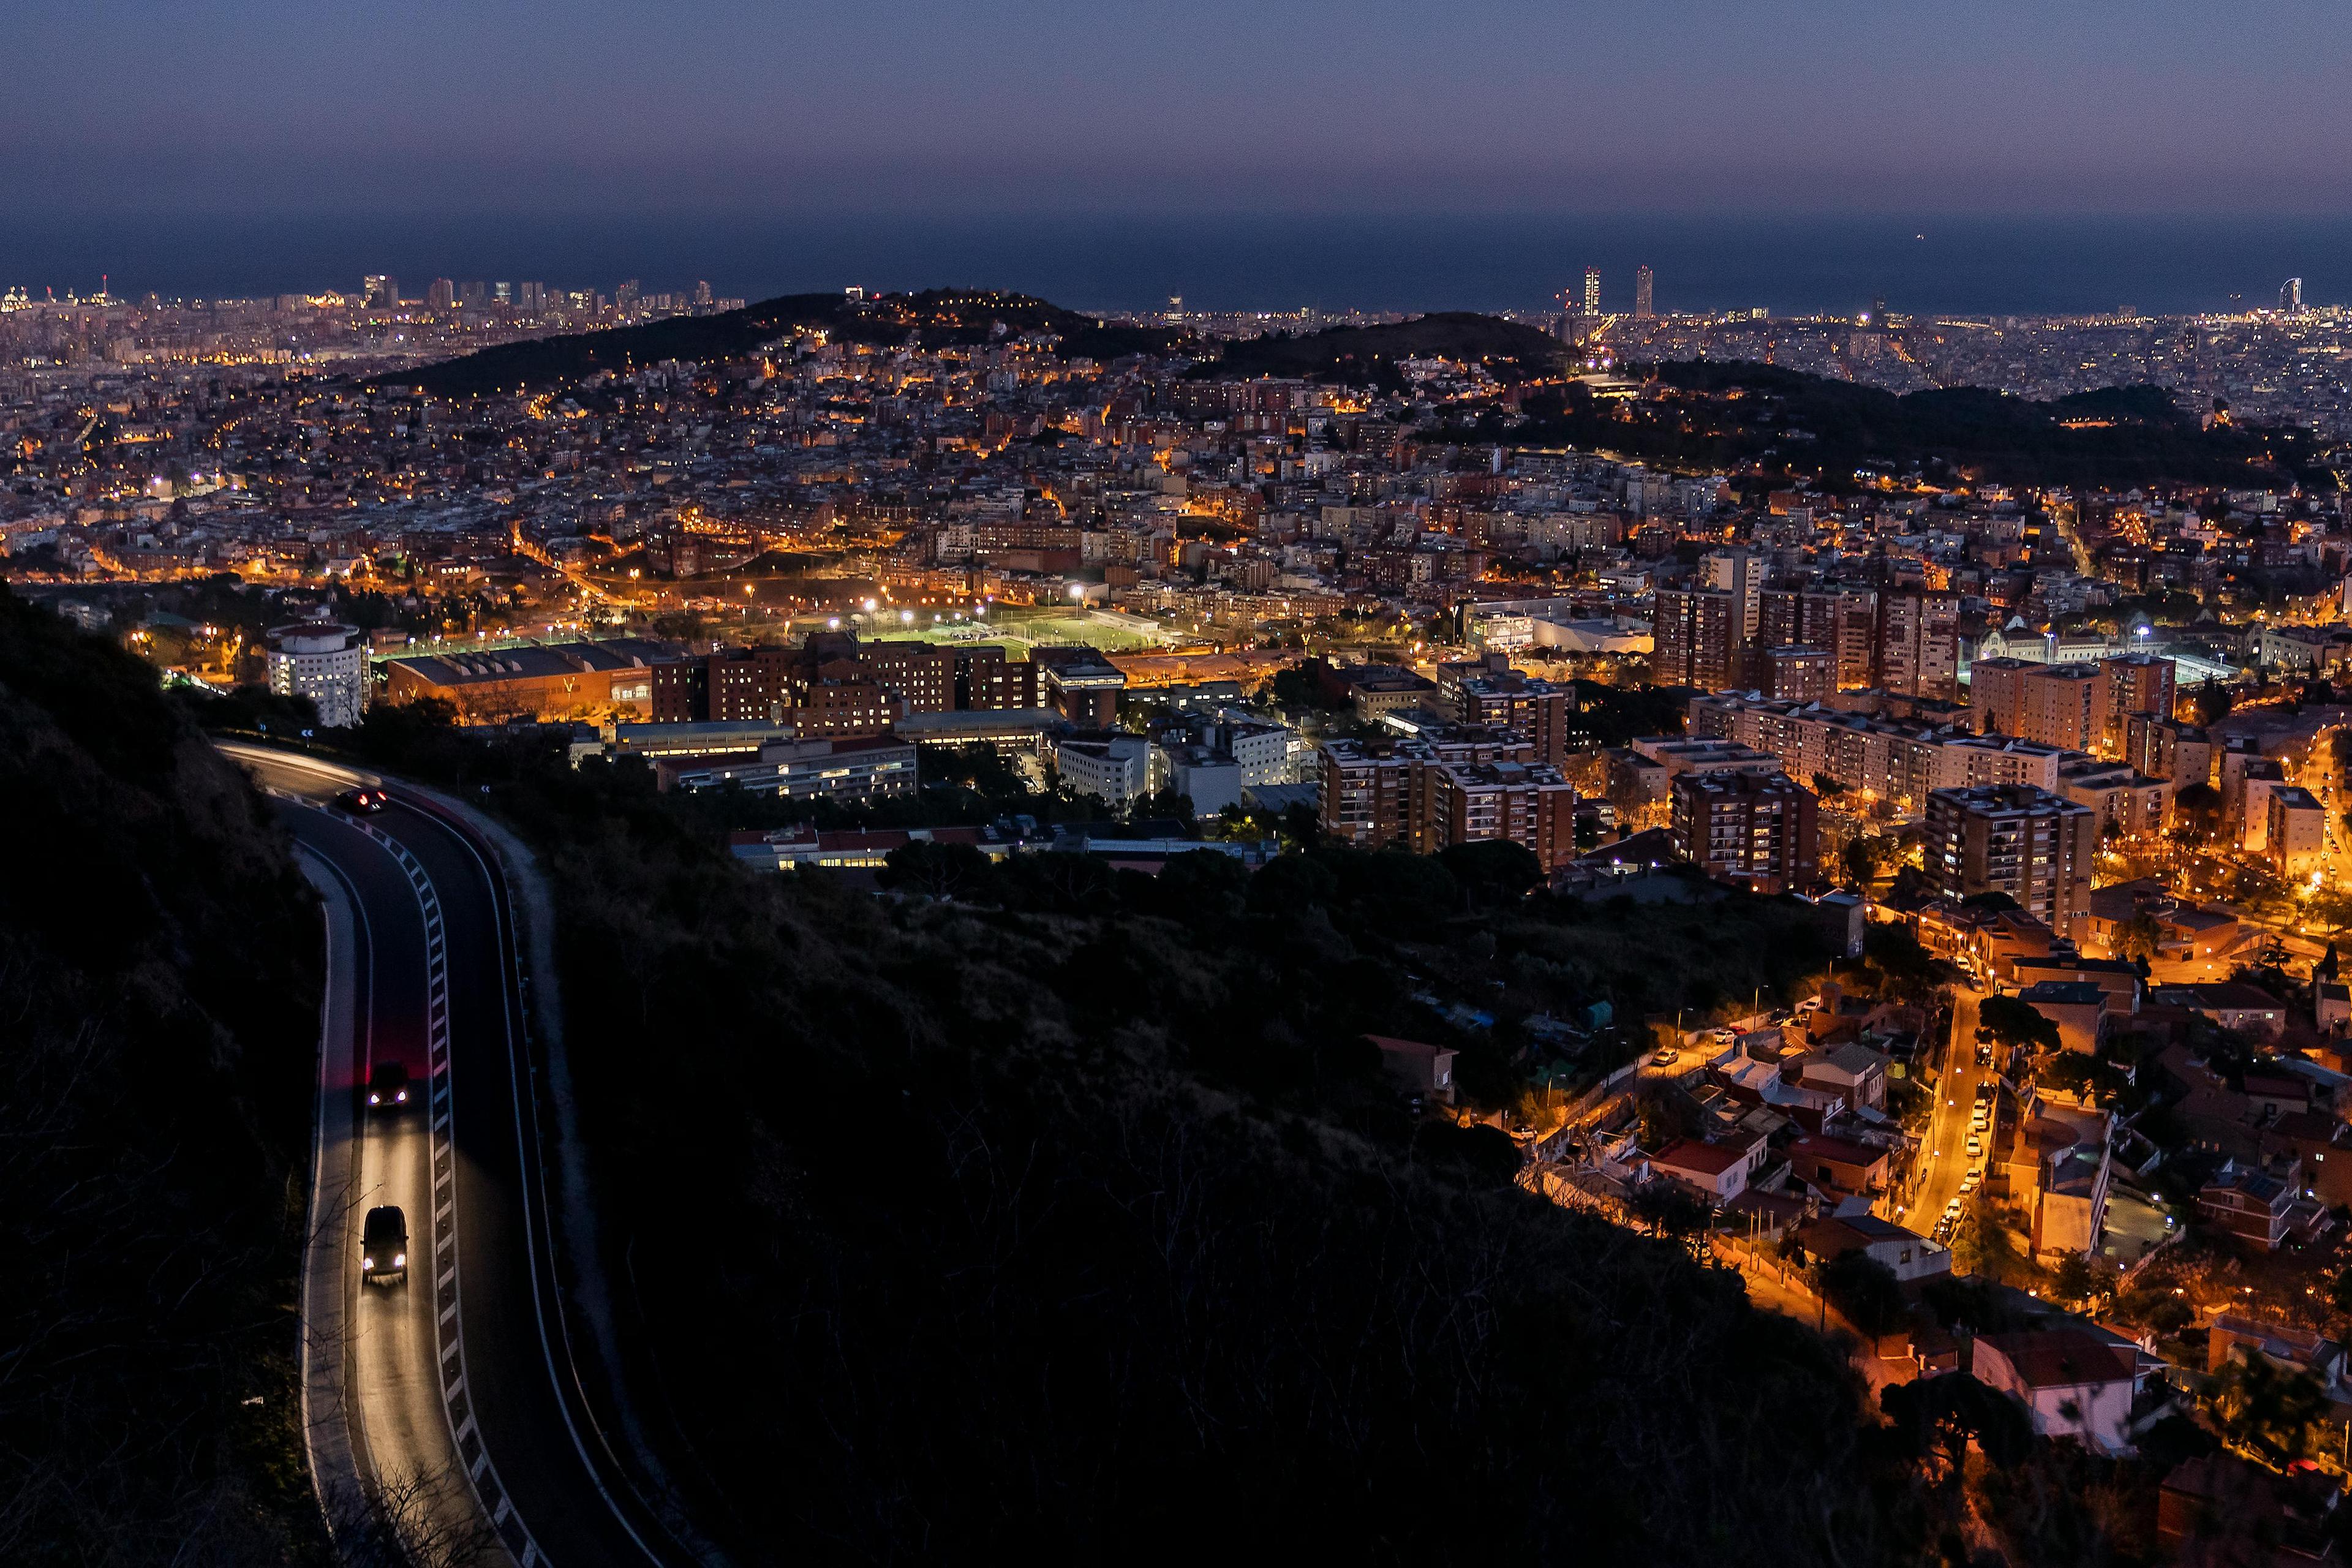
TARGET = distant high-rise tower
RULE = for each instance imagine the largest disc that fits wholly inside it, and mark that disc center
(383, 291)
(1642, 311)
(440, 294)
(2291, 295)
(702, 294)
(1592, 291)
(629, 293)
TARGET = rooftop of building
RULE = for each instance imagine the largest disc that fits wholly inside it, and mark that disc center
(538, 660)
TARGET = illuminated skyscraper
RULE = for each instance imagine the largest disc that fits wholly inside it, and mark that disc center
(1641, 294)
(2290, 295)
(383, 291)
(1592, 291)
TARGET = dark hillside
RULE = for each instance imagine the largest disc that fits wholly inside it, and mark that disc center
(159, 982)
(1728, 415)
(933, 317)
(1366, 356)
(1046, 1211)
(1072, 1219)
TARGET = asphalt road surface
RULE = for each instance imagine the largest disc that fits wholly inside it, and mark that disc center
(471, 1354)
(1948, 1126)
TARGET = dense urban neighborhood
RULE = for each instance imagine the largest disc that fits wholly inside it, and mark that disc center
(1855, 810)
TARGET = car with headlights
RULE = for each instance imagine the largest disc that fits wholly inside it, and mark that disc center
(362, 802)
(388, 1086)
(383, 1245)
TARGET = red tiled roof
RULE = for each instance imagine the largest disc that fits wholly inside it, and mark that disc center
(1406, 1047)
(2060, 1358)
(1690, 1154)
(1837, 1148)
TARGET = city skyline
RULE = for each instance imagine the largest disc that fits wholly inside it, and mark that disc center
(1934, 263)
(796, 785)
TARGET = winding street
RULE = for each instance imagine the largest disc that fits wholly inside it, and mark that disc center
(455, 1394)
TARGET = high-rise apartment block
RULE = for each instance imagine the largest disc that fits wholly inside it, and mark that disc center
(2137, 683)
(834, 686)
(2062, 705)
(1489, 692)
(2034, 845)
(986, 681)
(1796, 674)
(1759, 830)
(1592, 291)
(1997, 693)
(2297, 837)
(1696, 640)
(325, 662)
(2167, 749)
(1920, 643)
(1842, 621)
(1443, 787)
(1740, 573)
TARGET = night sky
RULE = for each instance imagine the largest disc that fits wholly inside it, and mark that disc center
(1268, 106)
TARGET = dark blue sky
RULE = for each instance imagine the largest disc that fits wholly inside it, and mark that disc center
(1270, 106)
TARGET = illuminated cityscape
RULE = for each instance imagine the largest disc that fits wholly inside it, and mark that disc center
(664, 919)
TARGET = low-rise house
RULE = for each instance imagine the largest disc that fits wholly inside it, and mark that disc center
(2055, 1161)
(2117, 981)
(2218, 1510)
(1994, 940)
(1757, 1082)
(805, 844)
(2079, 1008)
(1908, 1255)
(2232, 1003)
(2213, 1117)
(1719, 1170)
(2233, 1337)
(2072, 1382)
(2331, 1007)
(1852, 1070)
(2263, 1208)
(1426, 1070)
(1835, 1163)
(2274, 1092)
(2321, 1144)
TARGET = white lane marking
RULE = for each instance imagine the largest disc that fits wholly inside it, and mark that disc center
(531, 1173)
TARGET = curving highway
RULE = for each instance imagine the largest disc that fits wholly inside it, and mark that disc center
(455, 1393)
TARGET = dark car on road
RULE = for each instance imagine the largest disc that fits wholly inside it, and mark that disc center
(362, 802)
(388, 1087)
(383, 1244)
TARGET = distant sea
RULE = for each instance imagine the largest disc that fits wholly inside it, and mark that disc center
(1136, 261)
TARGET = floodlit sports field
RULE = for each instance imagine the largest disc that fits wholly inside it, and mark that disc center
(1016, 627)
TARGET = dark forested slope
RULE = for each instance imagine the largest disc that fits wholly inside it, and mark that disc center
(935, 318)
(1367, 357)
(158, 1017)
(1079, 1224)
